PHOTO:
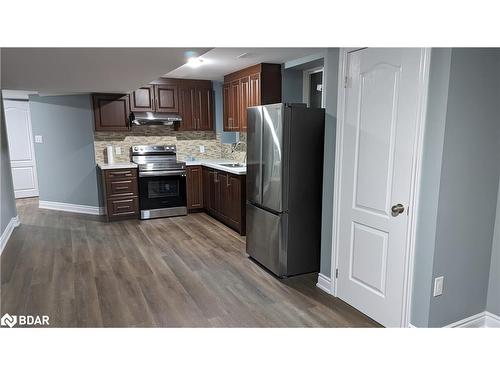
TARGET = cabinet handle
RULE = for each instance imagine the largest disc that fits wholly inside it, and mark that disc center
(121, 187)
(122, 207)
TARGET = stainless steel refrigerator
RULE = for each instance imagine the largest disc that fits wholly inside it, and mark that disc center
(284, 187)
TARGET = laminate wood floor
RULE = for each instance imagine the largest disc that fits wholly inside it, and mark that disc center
(189, 271)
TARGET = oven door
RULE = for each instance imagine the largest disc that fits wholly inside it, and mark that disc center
(162, 189)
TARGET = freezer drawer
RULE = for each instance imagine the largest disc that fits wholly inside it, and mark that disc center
(266, 239)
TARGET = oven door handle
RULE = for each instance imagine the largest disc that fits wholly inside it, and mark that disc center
(162, 173)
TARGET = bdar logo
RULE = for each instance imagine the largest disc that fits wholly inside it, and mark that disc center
(8, 320)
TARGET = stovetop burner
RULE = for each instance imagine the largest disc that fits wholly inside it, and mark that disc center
(156, 158)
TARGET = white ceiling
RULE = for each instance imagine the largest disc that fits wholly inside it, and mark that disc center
(220, 61)
(84, 70)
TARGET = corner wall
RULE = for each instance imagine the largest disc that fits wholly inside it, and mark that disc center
(65, 160)
(7, 198)
(439, 79)
(330, 77)
(461, 159)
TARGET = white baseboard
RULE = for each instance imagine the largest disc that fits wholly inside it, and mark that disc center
(491, 320)
(67, 207)
(324, 283)
(481, 320)
(13, 223)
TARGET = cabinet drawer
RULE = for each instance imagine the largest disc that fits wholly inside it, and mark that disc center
(123, 207)
(117, 174)
(121, 187)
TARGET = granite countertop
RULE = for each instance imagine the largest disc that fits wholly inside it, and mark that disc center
(216, 164)
(122, 165)
(211, 163)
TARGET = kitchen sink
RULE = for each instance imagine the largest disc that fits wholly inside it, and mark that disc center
(233, 165)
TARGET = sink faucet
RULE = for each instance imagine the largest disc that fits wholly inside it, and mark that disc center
(235, 145)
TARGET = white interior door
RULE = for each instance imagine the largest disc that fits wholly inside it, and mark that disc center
(380, 122)
(21, 148)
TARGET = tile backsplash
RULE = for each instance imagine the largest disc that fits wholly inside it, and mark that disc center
(188, 143)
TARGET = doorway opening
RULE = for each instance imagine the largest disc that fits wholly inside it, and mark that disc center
(313, 87)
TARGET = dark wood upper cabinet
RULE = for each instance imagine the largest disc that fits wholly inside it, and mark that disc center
(244, 102)
(186, 98)
(166, 98)
(231, 100)
(205, 105)
(143, 99)
(192, 99)
(256, 85)
(254, 92)
(196, 105)
(111, 112)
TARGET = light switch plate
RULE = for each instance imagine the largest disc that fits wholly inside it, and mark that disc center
(202, 149)
(38, 139)
(438, 286)
(118, 150)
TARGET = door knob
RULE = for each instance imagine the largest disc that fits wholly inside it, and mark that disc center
(397, 209)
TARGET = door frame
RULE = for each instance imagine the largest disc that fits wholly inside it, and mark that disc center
(32, 142)
(306, 79)
(415, 181)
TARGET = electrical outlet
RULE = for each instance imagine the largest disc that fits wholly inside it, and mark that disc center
(118, 150)
(202, 149)
(38, 139)
(438, 286)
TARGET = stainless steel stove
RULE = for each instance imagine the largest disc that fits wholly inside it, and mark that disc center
(162, 181)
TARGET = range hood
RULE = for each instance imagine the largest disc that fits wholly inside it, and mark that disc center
(154, 118)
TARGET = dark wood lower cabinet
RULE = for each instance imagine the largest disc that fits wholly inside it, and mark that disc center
(194, 187)
(121, 193)
(221, 194)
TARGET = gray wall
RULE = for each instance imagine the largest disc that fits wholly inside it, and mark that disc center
(469, 187)
(330, 79)
(7, 199)
(455, 236)
(493, 304)
(291, 85)
(430, 182)
(66, 164)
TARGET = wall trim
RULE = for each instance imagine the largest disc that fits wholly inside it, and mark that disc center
(415, 182)
(68, 207)
(481, 320)
(492, 320)
(324, 283)
(13, 223)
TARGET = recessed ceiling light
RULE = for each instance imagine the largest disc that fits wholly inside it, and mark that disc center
(194, 62)
(245, 55)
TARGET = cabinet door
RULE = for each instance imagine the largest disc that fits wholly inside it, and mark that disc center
(224, 194)
(254, 90)
(244, 102)
(226, 98)
(233, 197)
(206, 184)
(167, 98)
(194, 187)
(111, 112)
(235, 102)
(205, 109)
(142, 100)
(214, 191)
(187, 97)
